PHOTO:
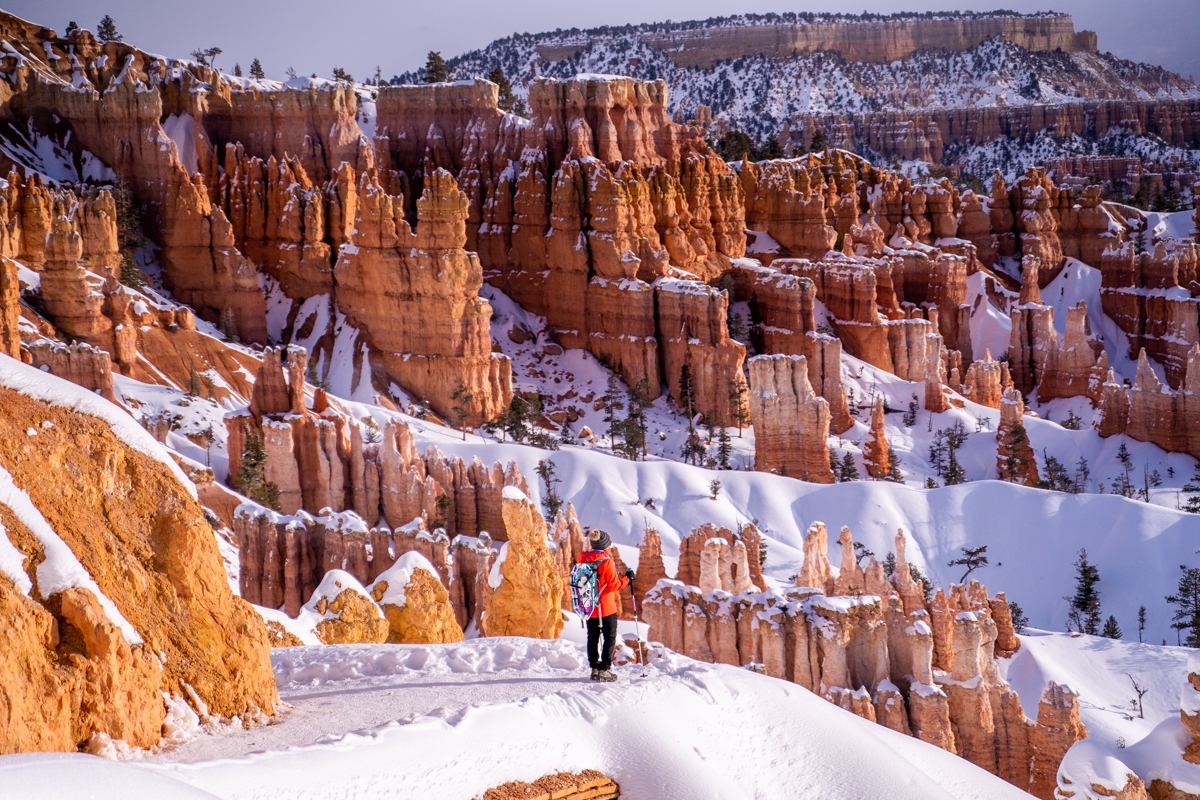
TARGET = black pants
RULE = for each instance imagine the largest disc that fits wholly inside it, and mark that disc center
(601, 658)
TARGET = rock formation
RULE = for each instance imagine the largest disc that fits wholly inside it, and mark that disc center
(586, 785)
(346, 612)
(876, 453)
(415, 603)
(873, 646)
(1149, 411)
(155, 614)
(1015, 458)
(791, 423)
(527, 596)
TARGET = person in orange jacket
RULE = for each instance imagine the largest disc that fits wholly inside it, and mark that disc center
(604, 618)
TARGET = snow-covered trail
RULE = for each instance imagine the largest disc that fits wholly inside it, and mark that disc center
(513, 709)
(334, 690)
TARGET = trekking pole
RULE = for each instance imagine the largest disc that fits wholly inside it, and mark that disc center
(638, 632)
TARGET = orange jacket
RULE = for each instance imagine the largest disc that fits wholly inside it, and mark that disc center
(607, 579)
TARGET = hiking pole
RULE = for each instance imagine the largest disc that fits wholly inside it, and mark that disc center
(637, 631)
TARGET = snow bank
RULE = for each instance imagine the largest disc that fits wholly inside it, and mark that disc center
(64, 394)
(77, 775)
(60, 569)
(687, 730)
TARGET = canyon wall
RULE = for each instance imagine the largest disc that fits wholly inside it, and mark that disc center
(875, 42)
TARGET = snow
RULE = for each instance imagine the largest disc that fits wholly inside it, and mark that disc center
(181, 129)
(398, 576)
(60, 569)
(1100, 670)
(63, 394)
(77, 775)
(12, 563)
(403, 721)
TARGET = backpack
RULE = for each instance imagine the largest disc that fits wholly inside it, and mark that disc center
(585, 588)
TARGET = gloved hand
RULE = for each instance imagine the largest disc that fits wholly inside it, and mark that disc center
(629, 574)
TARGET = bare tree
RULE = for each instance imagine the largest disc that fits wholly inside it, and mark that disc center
(1140, 691)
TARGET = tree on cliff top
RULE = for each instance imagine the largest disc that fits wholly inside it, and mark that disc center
(206, 57)
(506, 99)
(106, 31)
(256, 70)
(72, 29)
(972, 558)
(436, 70)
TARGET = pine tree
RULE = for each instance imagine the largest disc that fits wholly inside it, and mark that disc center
(340, 74)
(550, 500)
(1141, 621)
(972, 558)
(515, 419)
(915, 573)
(1019, 620)
(818, 141)
(612, 404)
(1054, 476)
(1187, 602)
(849, 470)
(251, 473)
(1084, 616)
(1072, 421)
(506, 97)
(1192, 490)
(206, 57)
(1082, 475)
(894, 474)
(687, 391)
(740, 409)
(637, 398)
(460, 409)
(445, 511)
(237, 69)
(714, 489)
(228, 326)
(72, 29)
(1111, 629)
(724, 447)
(693, 448)
(436, 70)
(107, 30)
(256, 70)
(564, 435)
(889, 564)
(770, 149)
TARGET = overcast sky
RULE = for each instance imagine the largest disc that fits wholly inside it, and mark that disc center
(359, 35)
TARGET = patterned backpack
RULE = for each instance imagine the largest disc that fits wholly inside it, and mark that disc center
(585, 588)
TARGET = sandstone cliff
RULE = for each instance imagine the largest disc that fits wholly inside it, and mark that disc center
(115, 587)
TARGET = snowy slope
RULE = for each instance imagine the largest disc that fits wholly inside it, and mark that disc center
(687, 730)
(1101, 671)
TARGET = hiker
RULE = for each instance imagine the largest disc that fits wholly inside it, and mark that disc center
(603, 619)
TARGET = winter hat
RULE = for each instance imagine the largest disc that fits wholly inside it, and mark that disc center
(599, 540)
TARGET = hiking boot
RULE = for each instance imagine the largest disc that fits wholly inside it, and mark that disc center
(595, 674)
(606, 676)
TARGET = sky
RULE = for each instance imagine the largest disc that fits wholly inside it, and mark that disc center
(314, 36)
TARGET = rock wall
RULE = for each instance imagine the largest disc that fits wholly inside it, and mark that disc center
(1149, 411)
(84, 659)
(924, 135)
(874, 42)
(791, 422)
